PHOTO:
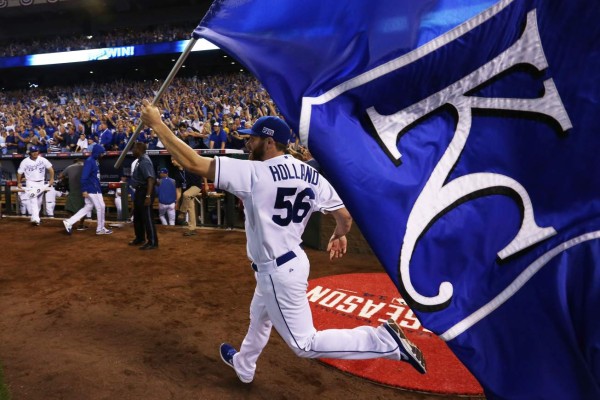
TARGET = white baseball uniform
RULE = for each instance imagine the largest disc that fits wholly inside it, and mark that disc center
(92, 201)
(24, 206)
(166, 192)
(279, 195)
(166, 213)
(118, 204)
(50, 201)
(118, 195)
(35, 173)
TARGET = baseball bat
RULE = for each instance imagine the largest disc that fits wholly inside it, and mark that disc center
(45, 189)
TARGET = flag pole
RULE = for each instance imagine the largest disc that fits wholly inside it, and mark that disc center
(159, 94)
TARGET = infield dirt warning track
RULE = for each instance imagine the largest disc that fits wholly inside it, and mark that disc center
(89, 317)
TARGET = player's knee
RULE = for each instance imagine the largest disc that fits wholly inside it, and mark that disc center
(301, 347)
(300, 352)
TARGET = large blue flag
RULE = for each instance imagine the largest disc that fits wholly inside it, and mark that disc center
(464, 138)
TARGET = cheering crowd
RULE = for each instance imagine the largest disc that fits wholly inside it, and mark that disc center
(205, 112)
(112, 38)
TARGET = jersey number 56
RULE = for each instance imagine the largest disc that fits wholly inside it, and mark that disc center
(296, 211)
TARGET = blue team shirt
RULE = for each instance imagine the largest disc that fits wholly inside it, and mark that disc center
(166, 191)
(218, 138)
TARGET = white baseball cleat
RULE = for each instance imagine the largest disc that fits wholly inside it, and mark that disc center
(408, 350)
(104, 231)
(68, 227)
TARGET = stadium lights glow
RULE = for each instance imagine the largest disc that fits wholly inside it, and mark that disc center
(103, 53)
(89, 37)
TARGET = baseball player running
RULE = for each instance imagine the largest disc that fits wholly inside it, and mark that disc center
(92, 193)
(279, 195)
(34, 169)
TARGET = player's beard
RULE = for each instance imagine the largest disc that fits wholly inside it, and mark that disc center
(258, 153)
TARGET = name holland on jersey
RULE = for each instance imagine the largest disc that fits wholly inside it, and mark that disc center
(368, 306)
(283, 172)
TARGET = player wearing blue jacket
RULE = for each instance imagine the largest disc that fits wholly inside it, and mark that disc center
(92, 193)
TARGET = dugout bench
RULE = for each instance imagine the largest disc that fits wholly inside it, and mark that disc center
(218, 204)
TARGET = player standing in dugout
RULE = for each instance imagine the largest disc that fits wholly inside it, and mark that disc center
(279, 195)
(34, 169)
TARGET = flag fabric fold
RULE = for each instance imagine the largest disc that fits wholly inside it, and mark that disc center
(463, 138)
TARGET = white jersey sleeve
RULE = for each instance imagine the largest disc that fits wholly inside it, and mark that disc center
(47, 163)
(328, 199)
(23, 165)
(234, 176)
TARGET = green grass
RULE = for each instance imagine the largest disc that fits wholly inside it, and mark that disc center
(4, 394)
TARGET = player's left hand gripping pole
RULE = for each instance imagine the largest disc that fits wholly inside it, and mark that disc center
(162, 89)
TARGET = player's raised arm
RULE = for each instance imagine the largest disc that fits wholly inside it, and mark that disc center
(178, 149)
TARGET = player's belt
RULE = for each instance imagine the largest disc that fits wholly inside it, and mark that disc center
(279, 260)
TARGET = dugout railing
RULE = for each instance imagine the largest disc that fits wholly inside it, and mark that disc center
(222, 210)
(214, 208)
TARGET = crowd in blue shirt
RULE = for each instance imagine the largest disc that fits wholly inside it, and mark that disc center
(111, 38)
(205, 112)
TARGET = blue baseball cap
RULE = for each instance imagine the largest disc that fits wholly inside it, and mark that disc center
(163, 171)
(33, 149)
(272, 127)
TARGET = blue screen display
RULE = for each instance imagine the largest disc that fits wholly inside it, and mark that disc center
(106, 53)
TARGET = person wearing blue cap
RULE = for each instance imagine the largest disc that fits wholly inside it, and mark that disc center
(217, 138)
(279, 194)
(33, 169)
(166, 192)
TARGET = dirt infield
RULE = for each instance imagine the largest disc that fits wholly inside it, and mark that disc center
(89, 317)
